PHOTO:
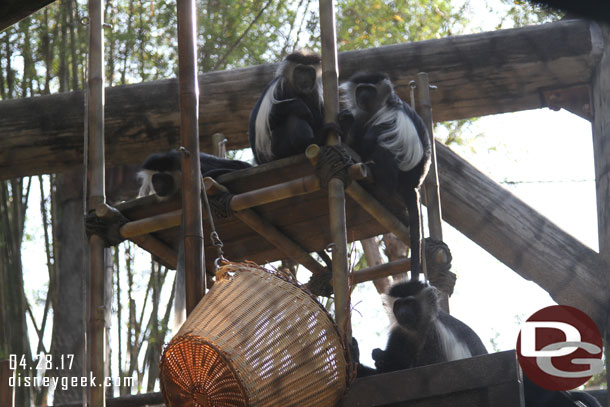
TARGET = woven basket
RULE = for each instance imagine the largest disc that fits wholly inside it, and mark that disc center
(256, 339)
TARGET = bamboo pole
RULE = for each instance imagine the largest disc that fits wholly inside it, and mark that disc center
(189, 132)
(300, 186)
(431, 187)
(96, 195)
(381, 270)
(152, 224)
(336, 189)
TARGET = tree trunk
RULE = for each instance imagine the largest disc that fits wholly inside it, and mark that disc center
(72, 278)
(13, 202)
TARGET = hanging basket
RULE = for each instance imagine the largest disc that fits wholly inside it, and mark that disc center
(256, 339)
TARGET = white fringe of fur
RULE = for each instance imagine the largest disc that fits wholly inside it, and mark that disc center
(261, 126)
(146, 186)
(145, 178)
(262, 129)
(401, 138)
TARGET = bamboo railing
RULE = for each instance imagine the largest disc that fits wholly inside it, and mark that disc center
(189, 134)
(96, 338)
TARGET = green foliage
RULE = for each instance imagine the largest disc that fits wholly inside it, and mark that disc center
(519, 13)
(364, 24)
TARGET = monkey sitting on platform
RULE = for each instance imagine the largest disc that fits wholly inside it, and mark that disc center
(161, 172)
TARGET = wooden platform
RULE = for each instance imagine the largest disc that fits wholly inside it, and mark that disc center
(481, 381)
(303, 219)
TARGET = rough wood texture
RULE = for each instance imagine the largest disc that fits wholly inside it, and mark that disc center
(11, 11)
(521, 238)
(482, 381)
(134, 400)
(601, 152)
(302, 218)
(381, 271)
(476, 75)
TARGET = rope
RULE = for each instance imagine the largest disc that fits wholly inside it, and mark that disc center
(220, 204)
(438, 261)
(320, 284)
(107, 227)
(333, 162)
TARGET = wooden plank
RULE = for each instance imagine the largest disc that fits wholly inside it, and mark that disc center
(11, 11)
(601, 153)
(461, 379)
(521, 238)
(133, 400)
(476, 75)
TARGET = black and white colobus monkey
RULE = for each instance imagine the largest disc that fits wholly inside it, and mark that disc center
(161, 172)
(288, 116)
(383, 129)
(422, 334)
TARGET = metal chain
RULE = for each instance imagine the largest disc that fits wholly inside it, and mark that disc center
(215, 239)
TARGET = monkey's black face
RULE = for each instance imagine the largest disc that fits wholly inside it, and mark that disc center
(366, 97)
(304, 78)
(414, 304)
(407, 311)
(163, 184)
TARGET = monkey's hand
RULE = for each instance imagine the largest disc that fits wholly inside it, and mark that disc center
(380, 356)
(345, 118)
(295, 107)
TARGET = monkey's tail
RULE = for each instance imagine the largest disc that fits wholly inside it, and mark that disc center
(412, 203)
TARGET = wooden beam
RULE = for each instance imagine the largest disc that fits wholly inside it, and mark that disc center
(274, 236)
(521, 238)
(487, 380)
(476, 75)
(132, 400)
(381, 270)
(11, 11)
(601, 153)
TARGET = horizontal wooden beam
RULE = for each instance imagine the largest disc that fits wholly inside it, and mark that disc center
(487, 380)
(11, 11)
(476, 75)
(523, 239)
(381, 270)
(132, 400)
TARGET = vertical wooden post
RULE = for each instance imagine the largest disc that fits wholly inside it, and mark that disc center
(431, 187)
(601, 152)
(96, 195)
(7, 392)
(191, 172)
(336, 189)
